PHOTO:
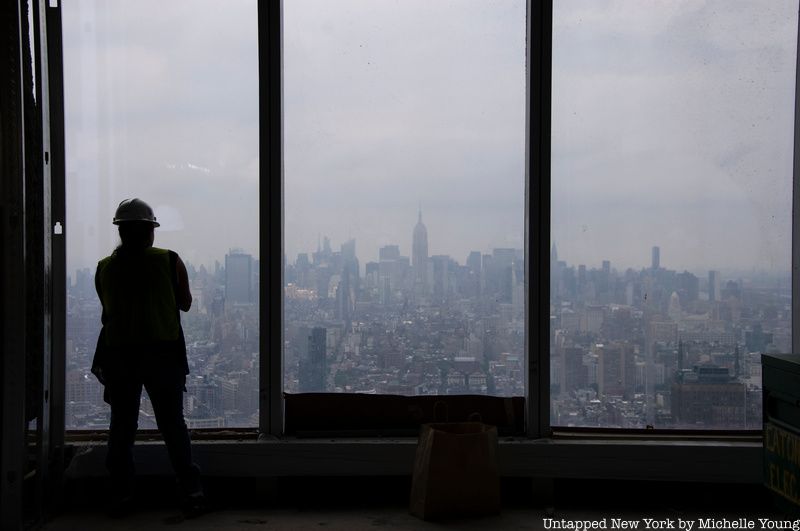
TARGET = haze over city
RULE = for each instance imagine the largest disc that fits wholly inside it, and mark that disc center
(388, 110)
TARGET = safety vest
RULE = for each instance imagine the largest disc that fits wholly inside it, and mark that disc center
(138, 298)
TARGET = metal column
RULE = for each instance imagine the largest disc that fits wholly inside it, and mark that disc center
(12, 263)
(537, 217)
(270, 57)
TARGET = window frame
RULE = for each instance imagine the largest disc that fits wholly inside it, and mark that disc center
(271, 219)
(537, 199)
(270, 112)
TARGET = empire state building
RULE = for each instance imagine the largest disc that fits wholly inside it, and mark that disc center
(419, 254)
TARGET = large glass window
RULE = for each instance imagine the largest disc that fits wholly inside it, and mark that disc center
(162, 104)
(404, 196)
(671, 209)
(404, 138)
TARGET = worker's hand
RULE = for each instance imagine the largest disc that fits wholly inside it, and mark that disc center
(100, 374)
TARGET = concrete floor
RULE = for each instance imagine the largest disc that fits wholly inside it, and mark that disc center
(395, 518)
(382, 503)
(250, 520)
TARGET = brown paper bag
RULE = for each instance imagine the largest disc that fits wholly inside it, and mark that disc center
(455, 471)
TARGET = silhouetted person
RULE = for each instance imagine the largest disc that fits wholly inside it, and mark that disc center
(142, 288)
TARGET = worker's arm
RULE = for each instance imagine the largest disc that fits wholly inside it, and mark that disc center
(99, 294)
(184, 295)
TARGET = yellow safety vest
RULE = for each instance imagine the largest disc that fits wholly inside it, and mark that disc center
(138, 298)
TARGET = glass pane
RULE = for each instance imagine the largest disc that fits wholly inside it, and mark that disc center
(404, 196)
(162, 104)
(671, 209)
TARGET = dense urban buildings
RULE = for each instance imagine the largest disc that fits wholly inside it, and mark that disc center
(659, 348)
(425, 325)
(628, 349)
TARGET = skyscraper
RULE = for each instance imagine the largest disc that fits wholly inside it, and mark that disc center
(503, 265)
(708, 397)
(656, 262)
(350, 266)
(474, 261)
(713, 286)
(238, 277)
(441, 275)
(615, 369)
(674, 309)
(555, 273)
(312, 363)
(389, 252)
(419, 254)
(345, 297)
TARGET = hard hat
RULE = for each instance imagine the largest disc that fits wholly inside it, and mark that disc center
(134, 210)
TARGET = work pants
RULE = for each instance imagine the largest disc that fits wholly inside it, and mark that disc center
(163, 378)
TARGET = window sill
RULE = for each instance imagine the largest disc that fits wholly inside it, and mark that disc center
(719, 461)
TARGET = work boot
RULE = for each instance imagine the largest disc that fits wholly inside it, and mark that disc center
(122, 502)
(194, 505)
(193, 499)
(121, 505)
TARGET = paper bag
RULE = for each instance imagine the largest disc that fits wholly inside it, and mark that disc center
(455, 471)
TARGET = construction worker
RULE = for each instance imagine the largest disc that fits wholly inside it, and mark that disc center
(142, 288)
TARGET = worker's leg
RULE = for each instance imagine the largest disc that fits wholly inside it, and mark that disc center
(165, 389)
(124, 394)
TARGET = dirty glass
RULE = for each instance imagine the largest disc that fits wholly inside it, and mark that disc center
(404, 153)
(162, 104)
(671, 210)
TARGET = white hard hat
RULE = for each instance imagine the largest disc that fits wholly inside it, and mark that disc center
(134, 210)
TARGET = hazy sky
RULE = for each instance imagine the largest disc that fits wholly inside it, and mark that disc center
(672, 126)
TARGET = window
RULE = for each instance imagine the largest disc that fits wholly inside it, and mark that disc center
(404, 137)
(165, 108)
(672, 146)
(403, 238)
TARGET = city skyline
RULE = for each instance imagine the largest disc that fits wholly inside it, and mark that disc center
(665, 128)
(672, 128)
(654, 346)
(729, 272)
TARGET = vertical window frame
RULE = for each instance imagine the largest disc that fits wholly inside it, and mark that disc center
(538, 53)
(537, 222)
(795, 272)
(537, 215)
(270, 63)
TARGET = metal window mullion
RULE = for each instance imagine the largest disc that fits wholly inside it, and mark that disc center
(41, 239)
(537, 214)
(58, 275)
(795, 206)
(270, 218)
